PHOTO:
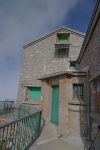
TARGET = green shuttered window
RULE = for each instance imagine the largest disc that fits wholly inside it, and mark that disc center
(35, 93)
(63, 39)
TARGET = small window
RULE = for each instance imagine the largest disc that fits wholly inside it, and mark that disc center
(35, 93)
(72, 63)
(62, 53)
(78, 90)
(63, 38)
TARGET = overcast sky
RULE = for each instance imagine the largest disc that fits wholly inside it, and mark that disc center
(23, 21)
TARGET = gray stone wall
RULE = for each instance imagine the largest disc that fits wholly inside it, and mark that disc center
(91, 61)
(39, 59)
(72, 119)
(91, 58)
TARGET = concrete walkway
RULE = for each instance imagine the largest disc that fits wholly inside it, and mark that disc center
(50, 140)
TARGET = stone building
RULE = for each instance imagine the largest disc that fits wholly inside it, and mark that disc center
(69, 94)
(63, 101)
(71, 99)
(89, 61)
(55, 52)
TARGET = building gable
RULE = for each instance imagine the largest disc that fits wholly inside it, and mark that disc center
(60, 30)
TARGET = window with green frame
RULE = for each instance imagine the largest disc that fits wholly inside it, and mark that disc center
(63, 38)
(35, 93)
(78, 90)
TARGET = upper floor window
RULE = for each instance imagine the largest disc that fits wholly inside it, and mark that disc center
(72, 65)
(63, 38)
(62, 45)
(35, 93)
(78, 90)
(62, 53)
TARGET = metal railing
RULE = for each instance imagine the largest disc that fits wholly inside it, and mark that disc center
(62, 46)
(21, 133)
(26, 109)
(91, 145)
(6, 106)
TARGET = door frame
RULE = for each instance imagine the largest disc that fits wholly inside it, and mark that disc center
(56, 113)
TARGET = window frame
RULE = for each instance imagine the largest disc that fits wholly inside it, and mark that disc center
(61, 36)
(79, 90)
(35, 90)
(62, 53)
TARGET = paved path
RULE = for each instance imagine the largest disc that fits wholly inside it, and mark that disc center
(58, 144)
(49, 140)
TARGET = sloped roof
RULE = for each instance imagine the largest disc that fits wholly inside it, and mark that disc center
(96, 77)
(94, 19)
(68, 73)
(53, 32)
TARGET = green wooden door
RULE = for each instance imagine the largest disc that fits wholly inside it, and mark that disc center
(35, 93)
(55, 105)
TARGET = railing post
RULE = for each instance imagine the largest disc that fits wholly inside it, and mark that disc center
(21, 133)
(39, 125)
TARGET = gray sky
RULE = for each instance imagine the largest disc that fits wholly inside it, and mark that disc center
(22, 21)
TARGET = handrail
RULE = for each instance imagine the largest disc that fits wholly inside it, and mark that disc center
(20, 133)
(98, 131)
(6, 106)
(26, 109)
(17, 120)
(62, 45)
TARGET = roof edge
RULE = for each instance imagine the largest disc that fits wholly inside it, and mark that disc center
(90, 30)
(71, 73)
(52, 32)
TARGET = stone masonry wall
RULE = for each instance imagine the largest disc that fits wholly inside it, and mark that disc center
(91, 56)
(91, 60)
(71, 119)
(39, 59)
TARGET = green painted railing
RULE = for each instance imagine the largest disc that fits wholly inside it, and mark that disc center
(21, 133)
(6, 106)
(26, 109)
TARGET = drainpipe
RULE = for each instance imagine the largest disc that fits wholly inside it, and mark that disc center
(89, 106)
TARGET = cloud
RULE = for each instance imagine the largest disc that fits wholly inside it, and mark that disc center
(22, 21)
